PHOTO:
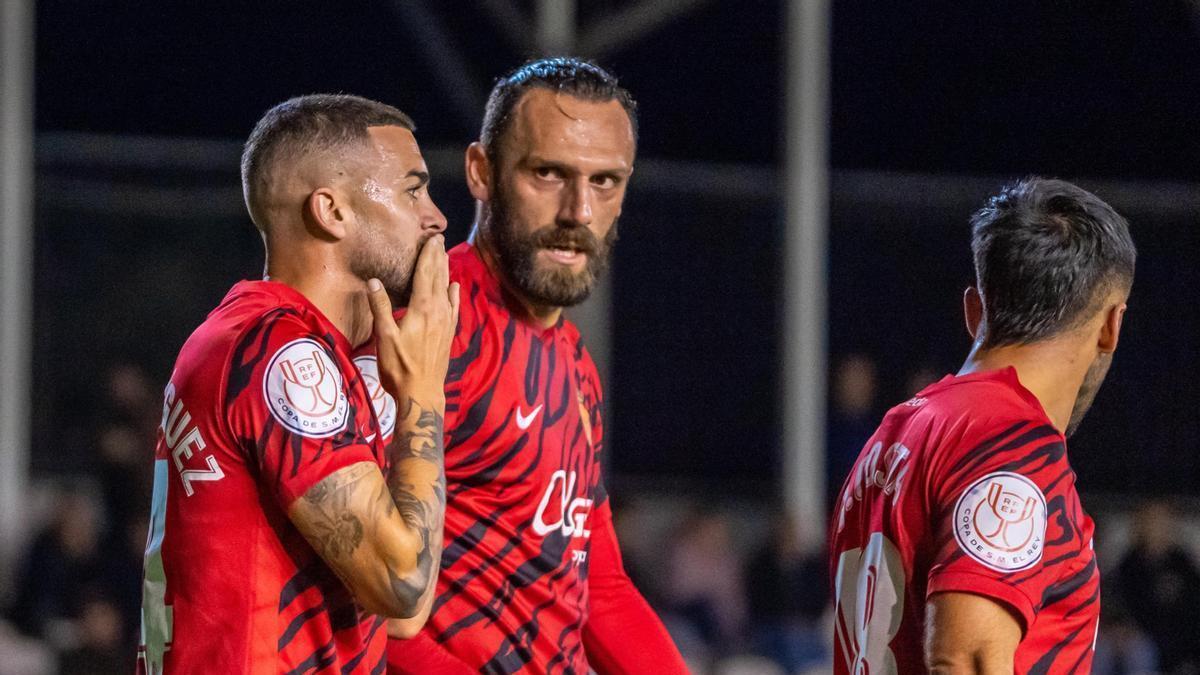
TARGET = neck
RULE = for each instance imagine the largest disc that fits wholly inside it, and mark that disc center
(338, 294)
(541, 315)
(1052, 370)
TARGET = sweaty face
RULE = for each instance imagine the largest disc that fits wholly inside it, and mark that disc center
(1087, 391)
(558, 185)
(394, 212)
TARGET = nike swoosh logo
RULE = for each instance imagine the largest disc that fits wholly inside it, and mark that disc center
(522, 421)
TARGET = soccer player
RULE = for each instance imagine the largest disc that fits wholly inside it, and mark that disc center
(281, 524)
(959, 543)
(532, 579)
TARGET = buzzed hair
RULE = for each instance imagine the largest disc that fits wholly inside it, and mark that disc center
(306, 125)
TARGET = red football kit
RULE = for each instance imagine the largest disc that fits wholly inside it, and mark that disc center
(531, 578)
(263, 403)
(965, 488)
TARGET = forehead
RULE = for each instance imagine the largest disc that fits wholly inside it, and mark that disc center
(395, 149)
(559, 126)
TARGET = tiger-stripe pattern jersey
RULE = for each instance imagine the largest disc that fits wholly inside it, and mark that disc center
(263, 403)
(964, 488)
(523, 439)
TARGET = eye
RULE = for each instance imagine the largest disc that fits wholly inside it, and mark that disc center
(605, 181)
(547, 172)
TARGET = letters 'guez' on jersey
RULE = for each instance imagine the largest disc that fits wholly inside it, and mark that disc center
(966, 487)
(263, 403)
(523, 441)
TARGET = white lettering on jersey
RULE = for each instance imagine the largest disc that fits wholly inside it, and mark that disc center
(870, 605)
(869, 473)
(573, 512)
(184, 440)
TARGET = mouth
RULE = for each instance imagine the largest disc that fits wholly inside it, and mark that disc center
(564, 255)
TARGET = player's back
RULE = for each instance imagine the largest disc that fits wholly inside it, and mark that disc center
(262, 403)
(950, 494)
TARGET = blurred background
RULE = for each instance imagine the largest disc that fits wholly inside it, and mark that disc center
(793, 251)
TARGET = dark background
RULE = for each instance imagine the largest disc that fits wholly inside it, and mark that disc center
(1102, 93)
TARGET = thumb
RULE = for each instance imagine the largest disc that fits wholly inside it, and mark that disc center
(381, 307)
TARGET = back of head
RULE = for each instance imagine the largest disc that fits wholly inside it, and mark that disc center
(1047, 253)
(305, 127)
(578, 78)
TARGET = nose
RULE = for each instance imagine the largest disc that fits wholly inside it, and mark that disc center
(576, 209)
(433, 221)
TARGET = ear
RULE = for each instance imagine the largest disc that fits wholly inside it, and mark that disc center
(973, 311)
(1110, 330)
(324, 213)
(479, 172)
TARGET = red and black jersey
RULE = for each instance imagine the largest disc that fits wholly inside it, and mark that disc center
(263, 403)
(523, 439)
(967, 488)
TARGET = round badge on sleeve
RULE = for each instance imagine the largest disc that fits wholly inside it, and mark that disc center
(303, 388)
(1000, 521)
(384, 404)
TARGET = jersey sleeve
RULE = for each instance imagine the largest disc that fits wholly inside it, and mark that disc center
(288, 406)
(994, 509)
(620, 616)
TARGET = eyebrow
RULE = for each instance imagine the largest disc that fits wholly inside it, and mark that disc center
(534, 160)
(421, 176)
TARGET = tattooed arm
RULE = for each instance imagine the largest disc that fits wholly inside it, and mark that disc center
(383, 535)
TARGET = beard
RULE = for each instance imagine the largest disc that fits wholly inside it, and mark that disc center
(1087, 391)
(376, 257)
(555, 286)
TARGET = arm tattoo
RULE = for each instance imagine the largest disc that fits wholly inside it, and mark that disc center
(420, 500)
(337, 530)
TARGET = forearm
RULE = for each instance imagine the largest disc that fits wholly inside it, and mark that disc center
(382, 535)
(416, 481)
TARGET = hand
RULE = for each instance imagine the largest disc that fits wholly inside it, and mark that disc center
(414, 352)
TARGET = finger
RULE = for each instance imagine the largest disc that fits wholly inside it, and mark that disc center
(427, 263)
(381, 307)
(439, 274)
(454, 300)
(441, 277)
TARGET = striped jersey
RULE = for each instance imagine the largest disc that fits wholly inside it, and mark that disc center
(967, 488)
(523, 439)
(263, 403)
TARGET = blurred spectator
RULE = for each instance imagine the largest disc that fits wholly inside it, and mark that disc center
(101, 649)
(1123, 649)
(788, 593)
(56, 570)
(120, 574)
(852, 417)
(1159, 583)
(920, 378)
(704, 584)
(126, 472)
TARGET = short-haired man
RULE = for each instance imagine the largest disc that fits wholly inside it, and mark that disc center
(532, 579)
(281, 524)
(959, 544)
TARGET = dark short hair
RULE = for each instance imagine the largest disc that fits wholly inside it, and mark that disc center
(309, 124)
(1046, 254)
(576, 77)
